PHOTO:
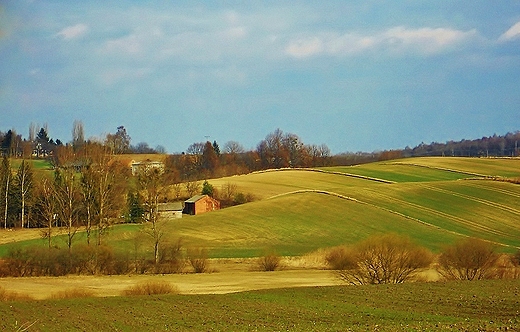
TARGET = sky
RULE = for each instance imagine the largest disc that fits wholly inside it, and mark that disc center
(354, 75)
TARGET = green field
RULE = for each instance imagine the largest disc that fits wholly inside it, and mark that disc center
(435, 201)
(490, 305)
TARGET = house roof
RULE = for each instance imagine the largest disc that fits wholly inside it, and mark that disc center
(173, 206)
(195, 198)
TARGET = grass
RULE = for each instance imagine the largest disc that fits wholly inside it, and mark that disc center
(73, 293)
(479, 305)
(150, 288)
(8, 296)
(432, 203)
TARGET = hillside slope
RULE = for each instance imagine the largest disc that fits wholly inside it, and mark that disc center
(434, 201)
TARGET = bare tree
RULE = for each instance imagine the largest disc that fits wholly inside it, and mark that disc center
(152, 184)
(24, 179)
(192, 187)
(385, 259)
(118, 142)
(47, 208)
(5, 185)
(468, 259)
(67, 195)
(78, 135)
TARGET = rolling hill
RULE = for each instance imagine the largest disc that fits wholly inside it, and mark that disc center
(434, 201)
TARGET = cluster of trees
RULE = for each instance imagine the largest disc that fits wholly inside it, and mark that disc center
(492, 146)
(39, 145)
(90, 189)
(204, 160)
(395, 259)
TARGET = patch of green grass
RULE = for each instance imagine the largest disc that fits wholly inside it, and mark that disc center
(431, 205)
(478, 305)
(400, 173)
(296, 224)
(506, 167)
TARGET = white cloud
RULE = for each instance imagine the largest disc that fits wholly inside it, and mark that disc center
(73, 32)
(130, 44)
(425, 40)
(396, 40)
(305, 47)
(512, 33)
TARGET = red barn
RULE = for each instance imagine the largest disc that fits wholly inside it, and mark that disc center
(201, 204)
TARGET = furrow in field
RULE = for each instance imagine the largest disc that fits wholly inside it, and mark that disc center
(500, 190)
(357, 176)
(444, 215)
(443, 169)
(373, 206)
(474, 199)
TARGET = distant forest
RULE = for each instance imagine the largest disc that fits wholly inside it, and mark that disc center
(277, 150)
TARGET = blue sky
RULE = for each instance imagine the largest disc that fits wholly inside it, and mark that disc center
(355, 75)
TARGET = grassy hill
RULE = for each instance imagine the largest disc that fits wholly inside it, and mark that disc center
(433, 200)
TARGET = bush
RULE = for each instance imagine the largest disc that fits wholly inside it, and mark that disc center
(170, 258)
(516, 258)
(73, 293)
(386, 259)
(269, 261)
(340, 258)
(6, 295)
(468, 259)
(151, 288)
(198, 259)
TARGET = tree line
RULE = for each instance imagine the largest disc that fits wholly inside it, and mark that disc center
(90, 187)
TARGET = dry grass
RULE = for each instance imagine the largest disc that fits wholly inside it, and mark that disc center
(151, 288)
(6, 295)
(72, 294)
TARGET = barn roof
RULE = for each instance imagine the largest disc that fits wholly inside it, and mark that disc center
(173, 206)
(195, 198)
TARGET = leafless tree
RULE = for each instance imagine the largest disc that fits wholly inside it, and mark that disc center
(78, 135)
(24, 179)
(67, 195)
(152, 184)
(5, 185)
(47, 208)
(385, 259)
(468, 259)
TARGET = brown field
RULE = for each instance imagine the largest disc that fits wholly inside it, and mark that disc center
(227, 276)
(16, 235)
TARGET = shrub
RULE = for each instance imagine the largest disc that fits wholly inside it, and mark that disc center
(386, 259)
(270, 261)
(516, 258)
(6, 295)
(73, 293)
(468, 259)
(170, 258)
(198, 259)
(151, 288)
(340, 258)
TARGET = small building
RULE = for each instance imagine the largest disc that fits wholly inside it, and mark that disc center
(171, 210)
(139, 166)
(200, 204)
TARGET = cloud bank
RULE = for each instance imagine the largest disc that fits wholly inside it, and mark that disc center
(396, 40)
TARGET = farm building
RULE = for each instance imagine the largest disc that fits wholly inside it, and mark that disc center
(171, 210)
(201, 204)
(138, 166)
